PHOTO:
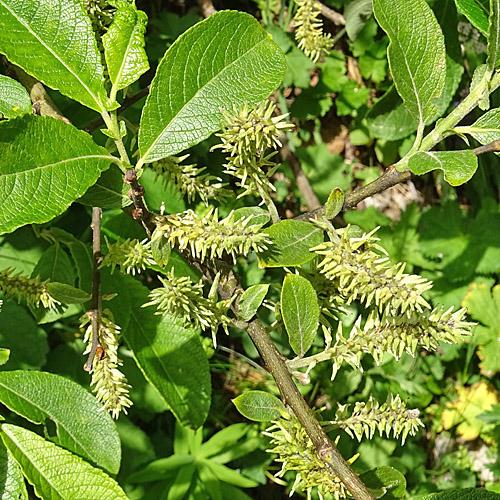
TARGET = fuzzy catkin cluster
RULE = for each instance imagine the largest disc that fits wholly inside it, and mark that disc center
(33, 291)
(130, 256)
(246, 135)
(297, 453)
(190, 179)
(309, 30)
(370, 417)
(110, 384)
(360, 273)
(183, 299)
(209, 237)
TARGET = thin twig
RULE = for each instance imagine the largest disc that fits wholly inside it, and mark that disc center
(488, 148)
(96, 286)
(207, 8)
(302, 181)
(335, 17)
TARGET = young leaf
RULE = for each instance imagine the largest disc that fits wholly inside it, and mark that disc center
(255, 215)
(259, 406)
(493, 49)
(487, 129)
(67, 294)
(37, 183)
(55, 265)
(474, 13)
(123, 44)
(56, 473)
(356, 13)
(384, 480)
(224, 61)
(291, 241)
(12, 485)
(334, 203)
(61, 36)
(300, 311)
(81, 427)
(250, 301)
(4, 355)
(171, 357)
(416, 53)
(458, 166)
(463, 494)
(14, 100)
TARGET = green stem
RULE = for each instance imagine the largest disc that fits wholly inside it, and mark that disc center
(444, 126)
(111, 121)
(273, 211)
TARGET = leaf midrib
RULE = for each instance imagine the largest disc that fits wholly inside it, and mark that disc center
(68, 160)
(56, 55)
(145, 156)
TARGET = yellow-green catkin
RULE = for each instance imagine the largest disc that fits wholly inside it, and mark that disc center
(110, 384)
(309, 30)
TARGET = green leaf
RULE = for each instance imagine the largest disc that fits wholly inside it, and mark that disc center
(14, 100)
(56, 473)
(357, 13)
(416, 53)
(223, 473)
(225, 60)
(465, 494)
(487, 128)
(161, 468)
(19, 333)
(334, 203)
(67, 294)
(291, 241)
(37, 183)
(250, 301)
(477, 78)
(123, 44)
(61, 36)
(224, 439)
(389, 119)
(385, 482)
(475, 13)
(172, 359)
(256, 215)
(259, 406)
(458, 166)
(4, 355)
(483, 305)
(109, 191)
(300, 311)
(12, 486)
(80, 425)
(160, 248)
(55, 265)
(493, 49)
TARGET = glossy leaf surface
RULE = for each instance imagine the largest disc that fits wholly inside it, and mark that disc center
(37, 183)
(55, 472)
(81, 427)
(416, 53)
(61, 36)
(14, 100)
(259, 406)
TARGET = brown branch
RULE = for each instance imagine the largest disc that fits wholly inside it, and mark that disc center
(488, 148)
(303, 184)
(389, 178)
(335, 17)
(207, 8)
(96, 286)
(140, 212)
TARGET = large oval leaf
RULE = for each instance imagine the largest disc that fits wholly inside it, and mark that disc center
(226, 60)
(416, 52)
(56, 473)
(171, 357)
(81, 427)
(12, 485)
(54, 42)
(45, 165)
(300, 311)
